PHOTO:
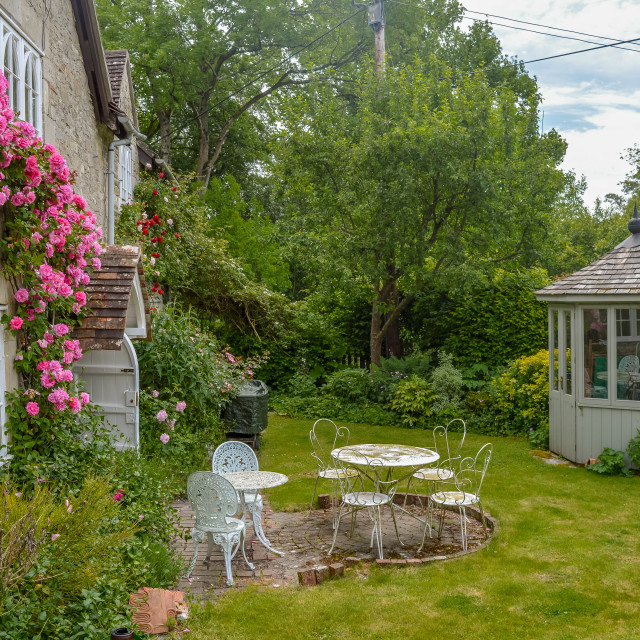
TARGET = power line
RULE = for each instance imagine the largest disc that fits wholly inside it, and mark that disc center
(509, 26)
(261, 75)
(543, 33)
(536, 24)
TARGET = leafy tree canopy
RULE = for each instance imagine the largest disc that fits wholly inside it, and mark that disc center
(425, 171)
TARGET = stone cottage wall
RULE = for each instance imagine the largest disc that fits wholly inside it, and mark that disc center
(69, 121)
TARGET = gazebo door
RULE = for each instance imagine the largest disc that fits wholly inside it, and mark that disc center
(562, 393)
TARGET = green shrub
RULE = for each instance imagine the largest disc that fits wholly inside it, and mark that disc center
(520, 396)
(492, 320)
(353, 385)
(447, 384)
(326, 406)
(611, 463)
(301, 385)
(633, 449)
(385, 378)
(413, 400)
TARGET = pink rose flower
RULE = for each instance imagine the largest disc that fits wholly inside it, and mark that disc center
(155, 393)
(61, 329)
(16, 323)
(164, 438)
(84, 397)
(32, 408)
(162, 415)
(74, 404)
(54, 536)
(181, 406)
(21, 295)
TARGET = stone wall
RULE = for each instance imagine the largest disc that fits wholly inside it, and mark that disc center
(69, 122)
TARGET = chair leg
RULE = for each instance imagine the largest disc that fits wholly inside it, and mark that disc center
(484, 520)
(335, 529)
(395, 524)
(227, 542)
(463, 527)
(209, 545)
(427, 523)
(442, 510)
(313, 497)
(376, 531)
(198, 537)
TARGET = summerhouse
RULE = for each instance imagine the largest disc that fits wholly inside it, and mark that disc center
(594, 328)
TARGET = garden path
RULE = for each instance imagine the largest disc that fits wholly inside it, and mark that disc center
(306, 539)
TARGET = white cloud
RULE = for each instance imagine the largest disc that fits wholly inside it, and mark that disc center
(592, 99)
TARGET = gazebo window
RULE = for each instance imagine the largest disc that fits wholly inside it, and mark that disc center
(595, 353)
(627, 352)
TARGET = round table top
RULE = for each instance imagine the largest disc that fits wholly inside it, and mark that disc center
(388, 455)
(254, 480)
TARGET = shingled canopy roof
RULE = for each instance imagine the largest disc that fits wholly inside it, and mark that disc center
(108, 296)
(617, 273)
(116, 63)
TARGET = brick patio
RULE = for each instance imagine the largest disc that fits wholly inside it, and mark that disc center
(306, 539)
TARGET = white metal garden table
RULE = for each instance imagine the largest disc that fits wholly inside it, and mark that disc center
(253, 481)
(390, 457)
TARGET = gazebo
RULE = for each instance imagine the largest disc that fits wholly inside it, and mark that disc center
(594, 327)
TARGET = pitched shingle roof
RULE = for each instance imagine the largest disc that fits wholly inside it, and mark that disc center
(616, 273)
(108, 296)
(116, 64)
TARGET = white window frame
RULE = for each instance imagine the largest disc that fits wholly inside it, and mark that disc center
(25, 75)
(126, 174)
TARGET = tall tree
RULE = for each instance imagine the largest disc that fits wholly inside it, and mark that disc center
(416, 173)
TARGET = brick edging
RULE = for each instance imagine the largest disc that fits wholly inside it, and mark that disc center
(319, 574)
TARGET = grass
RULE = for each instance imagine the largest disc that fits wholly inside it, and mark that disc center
(565, 564)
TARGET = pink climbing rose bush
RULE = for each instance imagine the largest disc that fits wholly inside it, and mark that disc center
(49, 248)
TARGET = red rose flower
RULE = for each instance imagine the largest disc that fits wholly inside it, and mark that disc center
(161, 174)
(177, 235)
(145, 231)
(155, 193)
(175, 188)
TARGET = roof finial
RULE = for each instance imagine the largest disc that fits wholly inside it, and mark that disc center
(634, 223)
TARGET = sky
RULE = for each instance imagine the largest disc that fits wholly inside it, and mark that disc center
(592, 99)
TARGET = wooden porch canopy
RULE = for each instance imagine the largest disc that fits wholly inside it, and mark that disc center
(109, 297)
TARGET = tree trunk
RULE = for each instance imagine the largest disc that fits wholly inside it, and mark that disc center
(376, 336)
(202, 115)
(393, 341)
(164, 119)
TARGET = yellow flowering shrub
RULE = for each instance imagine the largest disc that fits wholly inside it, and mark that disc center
(520, 395)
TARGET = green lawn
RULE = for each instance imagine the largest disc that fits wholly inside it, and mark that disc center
(565, 563)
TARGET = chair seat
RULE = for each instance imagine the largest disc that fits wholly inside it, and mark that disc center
(365, 499)
(433, 473)
(335, 474)
(251, 496)
(455, 498)
(234, 525)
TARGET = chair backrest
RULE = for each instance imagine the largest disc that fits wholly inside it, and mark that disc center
(234, 456)
(212, 498)
(325, 436)
(448, 441)
(470, 475)
(629, 364)
(361, 475)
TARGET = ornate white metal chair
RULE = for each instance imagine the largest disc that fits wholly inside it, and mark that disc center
(214, 502)
(361, 488)
(237, 456)
(628, 368)
(321, 452)
(449, 451)
(468, 482)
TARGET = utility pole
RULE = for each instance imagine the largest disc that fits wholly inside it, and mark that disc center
(375, 16)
